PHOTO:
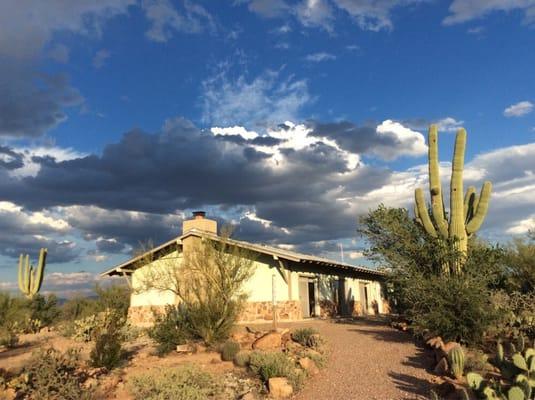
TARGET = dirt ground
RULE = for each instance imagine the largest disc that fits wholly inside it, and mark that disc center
(367, 360)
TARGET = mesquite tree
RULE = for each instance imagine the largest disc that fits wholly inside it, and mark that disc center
(466, 215)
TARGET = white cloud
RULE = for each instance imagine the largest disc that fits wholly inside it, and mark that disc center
(523, 226)
(411, 143)
(267, 99)
(100, 58)
(449, 124)
(315, 13)
(165, 19)
(33, 221)
(31, 168)
(519, 109)
(467, 10)
(319, 57)
(234, 131)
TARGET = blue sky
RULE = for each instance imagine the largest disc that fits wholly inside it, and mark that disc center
(287, 118)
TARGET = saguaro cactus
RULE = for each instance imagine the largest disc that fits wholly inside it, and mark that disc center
(466, 216)
(30, 278)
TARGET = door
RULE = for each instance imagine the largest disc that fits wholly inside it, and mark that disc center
(364, 297)
(311, 298)
(304, 297)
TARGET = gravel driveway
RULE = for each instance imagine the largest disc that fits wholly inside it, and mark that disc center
(368, 360)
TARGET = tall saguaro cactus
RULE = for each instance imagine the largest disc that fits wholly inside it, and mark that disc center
(466, 215)
(30, 278)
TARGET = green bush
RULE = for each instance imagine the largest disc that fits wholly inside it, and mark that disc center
(169, 330)
(516, 315)
(108, 351)
(8, 338)
(52, 375)
(241, 359)
(181, 383)
(308, 337)
(275, 364)
(229, 349)
(44, 309)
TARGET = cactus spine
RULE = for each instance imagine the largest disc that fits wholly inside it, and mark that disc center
(456, 362)
(466, 214)
(30, 278)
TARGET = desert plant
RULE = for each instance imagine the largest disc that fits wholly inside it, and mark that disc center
(229, 349)
(209, 283)
(517, 315)
(241, 359)
(8, 338)
(181, 383)
(308, 337)
(30, 279)
(274, 364)
(51, 374)
(456, 362)
(466, 216)
(517, 379)
(169, 330)
(108, 351)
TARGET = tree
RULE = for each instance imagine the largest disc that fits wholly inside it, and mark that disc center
(521, 264)
(208, 283)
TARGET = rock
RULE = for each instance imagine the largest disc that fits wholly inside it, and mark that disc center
(450, 345)
(435, 342)
(279, 388)
(9, 394)
(185, 348)
(270, 341)
(90, 383)
(248, 396)
(293, 347)
(309, 366)
(96, 372)
(442, 367)
(215, 361)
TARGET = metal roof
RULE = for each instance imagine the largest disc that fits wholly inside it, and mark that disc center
(259, 248)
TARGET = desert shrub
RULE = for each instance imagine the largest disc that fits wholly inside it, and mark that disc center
(516, 315)
(78, 308)
(181, 383)
(86, 329)
(169, 330)
(476, 360)
(108, 351)
(275, 364)
(241, 359)
(51, 374)
(44, 309)
(8, 338)
(319, 359)
(520, 261)
(115, 297)
(209, 282)
(308, 337)
(229, 349)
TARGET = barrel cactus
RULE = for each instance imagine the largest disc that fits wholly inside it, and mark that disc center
(456, 362)
(466, 215)
(30, 278)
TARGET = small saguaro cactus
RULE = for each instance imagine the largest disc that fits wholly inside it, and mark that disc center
(466, 216)
(30, 278)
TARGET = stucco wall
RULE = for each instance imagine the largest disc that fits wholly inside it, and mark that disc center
(159, 268)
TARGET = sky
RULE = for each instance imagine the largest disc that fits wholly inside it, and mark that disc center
(287, 119)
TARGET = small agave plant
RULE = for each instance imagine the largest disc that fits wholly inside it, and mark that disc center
(518, 370)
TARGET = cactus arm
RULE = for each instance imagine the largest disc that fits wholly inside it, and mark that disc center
(457, 225)
(435, 186)
(417, 215)
(27, 275)
(38, 275)
(21, 277)
(481, 211)
(469, 203)
(422, 212)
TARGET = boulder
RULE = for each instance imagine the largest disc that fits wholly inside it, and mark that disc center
(442, 367)
(185, 348)
(309, 366)
(249, 396)
(279, 388)
(270, 341)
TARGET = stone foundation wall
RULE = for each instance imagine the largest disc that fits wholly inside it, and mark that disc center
(254, 311)
(143, 315)
(263, 311)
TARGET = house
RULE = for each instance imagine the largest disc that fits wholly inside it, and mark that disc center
(300, 285)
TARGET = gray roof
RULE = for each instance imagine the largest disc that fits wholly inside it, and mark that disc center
(125, 267)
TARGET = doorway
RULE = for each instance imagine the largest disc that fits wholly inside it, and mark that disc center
(307, 296)
(364, 297)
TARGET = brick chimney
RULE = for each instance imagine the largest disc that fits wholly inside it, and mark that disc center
(200, 222)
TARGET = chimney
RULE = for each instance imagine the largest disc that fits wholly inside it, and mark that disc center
(200, 222)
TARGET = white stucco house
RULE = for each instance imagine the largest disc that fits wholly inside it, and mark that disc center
(300, 285)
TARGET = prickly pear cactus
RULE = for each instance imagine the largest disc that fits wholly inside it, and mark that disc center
(466, 215)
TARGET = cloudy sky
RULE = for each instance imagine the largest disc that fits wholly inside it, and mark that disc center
(287, 118)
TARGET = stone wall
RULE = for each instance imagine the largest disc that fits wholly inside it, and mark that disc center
(254, 311)
(263, 311)
(143, 315)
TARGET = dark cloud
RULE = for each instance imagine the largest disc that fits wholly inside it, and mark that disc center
(10, 159)
(32, 102)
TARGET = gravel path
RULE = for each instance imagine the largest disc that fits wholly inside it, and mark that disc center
(368, 360)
